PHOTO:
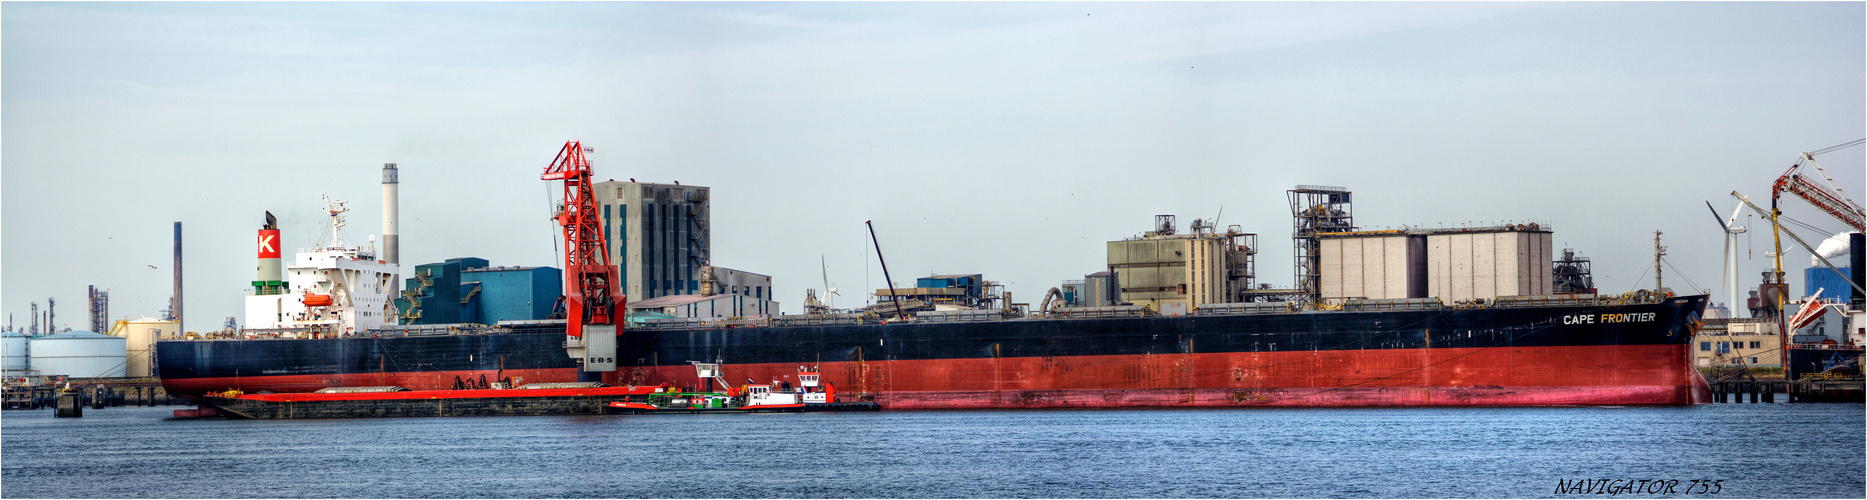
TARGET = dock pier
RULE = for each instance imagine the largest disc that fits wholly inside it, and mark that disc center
(1803, 391)
(97, 393)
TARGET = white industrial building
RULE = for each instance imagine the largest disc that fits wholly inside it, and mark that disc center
(1453, 265)
(1488, 263)
(1373, 265)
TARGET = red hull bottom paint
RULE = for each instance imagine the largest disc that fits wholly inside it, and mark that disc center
(1499, 376)
(1293, 397)
(420, 381)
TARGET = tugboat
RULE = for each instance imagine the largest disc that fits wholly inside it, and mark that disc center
(810, 395)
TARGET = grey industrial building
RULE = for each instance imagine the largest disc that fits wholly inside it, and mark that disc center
(659, 236)
(1176, 273)
(660, 240)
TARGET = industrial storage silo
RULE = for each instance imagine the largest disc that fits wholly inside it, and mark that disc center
(14, 343)
(79, 354)
(142, 335)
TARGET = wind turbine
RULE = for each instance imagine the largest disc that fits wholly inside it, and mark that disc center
(1730, 241)
(829, 302)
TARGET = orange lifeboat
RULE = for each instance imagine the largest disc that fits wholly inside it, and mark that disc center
(315, 300)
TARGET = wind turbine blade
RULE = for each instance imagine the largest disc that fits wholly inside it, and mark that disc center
(1725, 283)
(1714, 215)
(1734, 211)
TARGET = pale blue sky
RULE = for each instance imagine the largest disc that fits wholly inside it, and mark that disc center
(1006, 139)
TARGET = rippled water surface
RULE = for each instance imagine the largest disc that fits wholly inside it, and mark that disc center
(1757, 450)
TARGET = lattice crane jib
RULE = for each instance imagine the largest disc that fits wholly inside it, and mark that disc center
(1821, 195)
(592, 295)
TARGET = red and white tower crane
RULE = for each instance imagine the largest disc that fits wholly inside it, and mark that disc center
(592, 298)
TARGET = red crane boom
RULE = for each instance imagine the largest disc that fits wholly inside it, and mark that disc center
(1820, 196)
(591, 294)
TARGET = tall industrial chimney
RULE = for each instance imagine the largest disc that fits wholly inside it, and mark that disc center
(175, 303)
(391, 250)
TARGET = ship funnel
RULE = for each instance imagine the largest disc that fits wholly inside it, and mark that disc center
(271, 279)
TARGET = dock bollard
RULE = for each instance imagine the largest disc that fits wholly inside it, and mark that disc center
(68, 406)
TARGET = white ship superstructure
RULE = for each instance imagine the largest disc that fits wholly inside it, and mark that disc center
(333, 289)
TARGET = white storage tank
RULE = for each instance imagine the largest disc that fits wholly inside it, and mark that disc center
(79, 354)
(142, 335)
(14, 343)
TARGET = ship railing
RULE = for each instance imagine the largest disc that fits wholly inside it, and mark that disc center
(1739, 321)
(960, 316)
(1565, 299)
(1819, 345)
(1230, 308)
(673, 324)
(1102, 312)
(1414, 304)
(818, 320)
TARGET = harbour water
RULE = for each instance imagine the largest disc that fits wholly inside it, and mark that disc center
(1750, 450)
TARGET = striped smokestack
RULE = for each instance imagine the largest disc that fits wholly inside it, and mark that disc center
(391, 250)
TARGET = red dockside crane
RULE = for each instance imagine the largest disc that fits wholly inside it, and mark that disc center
(592, 298)
(1824, 196)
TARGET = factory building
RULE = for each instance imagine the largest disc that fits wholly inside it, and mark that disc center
(470, 290)
(1818, 278)
(1452, 265)
(970, 291)
(659, 239)
(1176, 273)
(658, 235)
(725, 293)
(1099, 289)
(1738, 342)
(736, 282)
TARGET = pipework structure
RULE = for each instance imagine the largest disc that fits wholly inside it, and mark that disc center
(100, 310)
(1316, 210)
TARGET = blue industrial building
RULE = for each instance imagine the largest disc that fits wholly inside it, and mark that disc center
(1834, 289)
(469, 290)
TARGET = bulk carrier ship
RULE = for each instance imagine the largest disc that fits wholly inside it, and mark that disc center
(1577, 351)
(1547, 349)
